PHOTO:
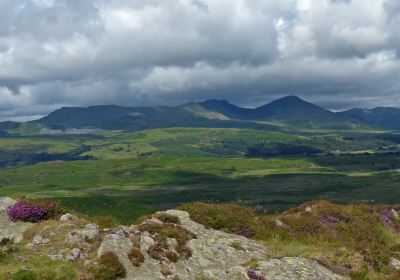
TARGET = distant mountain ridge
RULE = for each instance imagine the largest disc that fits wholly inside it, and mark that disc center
(289, 111)
(380, 117)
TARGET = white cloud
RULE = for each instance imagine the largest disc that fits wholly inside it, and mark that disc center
(58, 52)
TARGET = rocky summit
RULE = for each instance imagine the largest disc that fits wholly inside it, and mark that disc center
(166, 245)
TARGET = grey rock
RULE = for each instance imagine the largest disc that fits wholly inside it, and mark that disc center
(394, 263)
(6, 202)
(74, 255)
(212, 257)
(57, 256)
(146, 241)
(67, 217)
(90, 232)
(9, 231)
(296, 268)
(39, 239)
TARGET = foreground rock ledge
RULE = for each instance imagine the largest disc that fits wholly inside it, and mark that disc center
(213, 254)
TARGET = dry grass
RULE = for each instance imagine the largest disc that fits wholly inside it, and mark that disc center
(136, 257)
(108, 267)
(161, 234)
(355, 240)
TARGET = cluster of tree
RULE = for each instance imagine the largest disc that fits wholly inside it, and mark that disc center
(280, 149)
(25, 157)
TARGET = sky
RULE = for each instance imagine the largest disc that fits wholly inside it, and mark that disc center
(335, 53)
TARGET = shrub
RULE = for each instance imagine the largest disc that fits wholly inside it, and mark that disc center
(164, 231)
(166, 218)
(172, 256)
(108, 268)
(106, 221)
(3, 257)
(32, 211)
(24, 275)
(229, 217)
(252, 274)
(61, 273)
(136, 257)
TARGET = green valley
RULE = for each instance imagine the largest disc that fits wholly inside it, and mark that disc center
(163, 168)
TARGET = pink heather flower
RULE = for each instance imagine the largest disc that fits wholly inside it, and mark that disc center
(24, 212)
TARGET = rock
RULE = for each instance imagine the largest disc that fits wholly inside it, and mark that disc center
(90, 232)
(146, 241)
(67, 217)
(207, 254)
(58, 256)
(6, 202)
(296, 268)
(9, 231)
(212, 257)
(394, 263)
(39, 239)
(395, 214)
(74, 255)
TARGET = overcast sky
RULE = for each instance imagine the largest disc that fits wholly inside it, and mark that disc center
(335, 53)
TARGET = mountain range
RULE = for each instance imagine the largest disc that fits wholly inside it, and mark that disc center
(289, 111)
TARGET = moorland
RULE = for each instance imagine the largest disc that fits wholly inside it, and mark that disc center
(100, 160)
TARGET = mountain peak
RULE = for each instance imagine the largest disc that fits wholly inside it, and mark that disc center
(290, 99)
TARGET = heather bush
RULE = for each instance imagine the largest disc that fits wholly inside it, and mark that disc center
(29, 211)
(252, 274)
(24, 275)
(106, 221)
(229, 217)
(109, 267)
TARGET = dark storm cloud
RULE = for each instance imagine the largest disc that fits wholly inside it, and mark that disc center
(57, 53)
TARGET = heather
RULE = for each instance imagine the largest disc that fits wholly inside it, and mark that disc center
(353, 240)
(33, 211)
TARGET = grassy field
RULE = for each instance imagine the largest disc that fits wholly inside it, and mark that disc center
(162, 168)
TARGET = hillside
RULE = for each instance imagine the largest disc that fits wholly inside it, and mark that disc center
(297, 112)
(291, 111)
(381, 117)
(317, 240)
(139, 118)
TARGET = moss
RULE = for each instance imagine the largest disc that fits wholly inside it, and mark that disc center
(108, 267)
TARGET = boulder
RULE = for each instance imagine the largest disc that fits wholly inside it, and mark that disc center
(10, 231)
(212, 256)
(295, 268)
(67, 217)
(394, 263)
(90, 232)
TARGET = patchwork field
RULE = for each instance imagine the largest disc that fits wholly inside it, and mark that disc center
(103, 173)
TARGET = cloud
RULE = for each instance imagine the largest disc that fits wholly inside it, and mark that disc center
(56, 53)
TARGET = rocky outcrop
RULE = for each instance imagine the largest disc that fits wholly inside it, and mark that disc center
(9, 231)
(214, 255)
(168, 245)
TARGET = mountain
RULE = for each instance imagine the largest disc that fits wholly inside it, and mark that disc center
(380, 117)
(294, 111)
(139, 118)
(227, 109)
(288, 111)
